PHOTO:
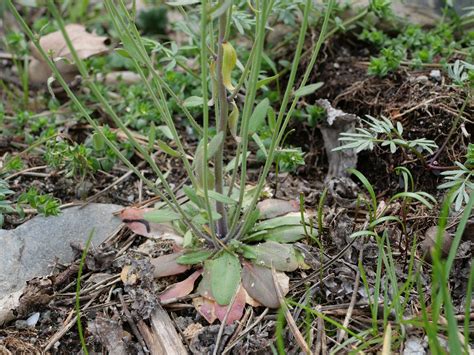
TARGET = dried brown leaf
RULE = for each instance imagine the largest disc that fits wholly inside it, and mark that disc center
(182, 288)
(272, 208)
(133, 218)
(166, 265)
(85, 43)
(258, 282)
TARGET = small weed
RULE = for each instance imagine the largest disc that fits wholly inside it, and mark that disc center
(44, 204)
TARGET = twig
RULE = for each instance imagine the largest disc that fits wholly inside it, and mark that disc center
(347, 319)
(221, 328)
(248, 329)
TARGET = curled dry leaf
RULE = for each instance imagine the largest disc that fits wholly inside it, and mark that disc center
(258, 282)
(272, 208)
(166, 265)
(182, 288)
(133, 218)
(211, 310)
(206, 308)
(86, 44)
(430, 242)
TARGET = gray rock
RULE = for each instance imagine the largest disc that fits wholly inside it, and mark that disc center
(436, 74)
(32, 249)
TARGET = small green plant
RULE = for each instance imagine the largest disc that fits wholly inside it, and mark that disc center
(460, 180)
(414, 46)
(225, 237)
(44, 204)
(384, 133)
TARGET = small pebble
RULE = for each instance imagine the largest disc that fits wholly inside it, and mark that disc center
(33, 319)
(435, 75)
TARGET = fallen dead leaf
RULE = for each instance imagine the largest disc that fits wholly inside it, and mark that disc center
(166, 265)
(85, 43)
(258, 282)
(133, 218)
(273, 207)
(182, 288)
(206, 308)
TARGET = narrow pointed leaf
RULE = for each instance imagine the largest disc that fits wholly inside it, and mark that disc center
(308, 89)
(167, 149)
(161, 216)
(258, 116)
(194, 257)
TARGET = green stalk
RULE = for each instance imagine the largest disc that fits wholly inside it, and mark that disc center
(82, 109)
(221, 126)
(108, 108)
(162, 107)
(146, 60)
(281, 125)
(205, 109)
(262, 17)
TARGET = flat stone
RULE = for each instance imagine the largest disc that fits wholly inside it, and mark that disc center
(32, 249)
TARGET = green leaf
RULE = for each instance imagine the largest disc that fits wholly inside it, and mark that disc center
(161, 216)
(214, 144)
(291, 220)
(98, 141)
(281, 256)
(234, 121)
(308, 89)
(285, 234)
(260, 144)
(271, 119)
(167, 149)
(193, 101)
(220, 197)
(258, 116)
(266, 81)
(193, 196)
(194, 257)
(225, 277)
(122, 52)
(229, 60)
